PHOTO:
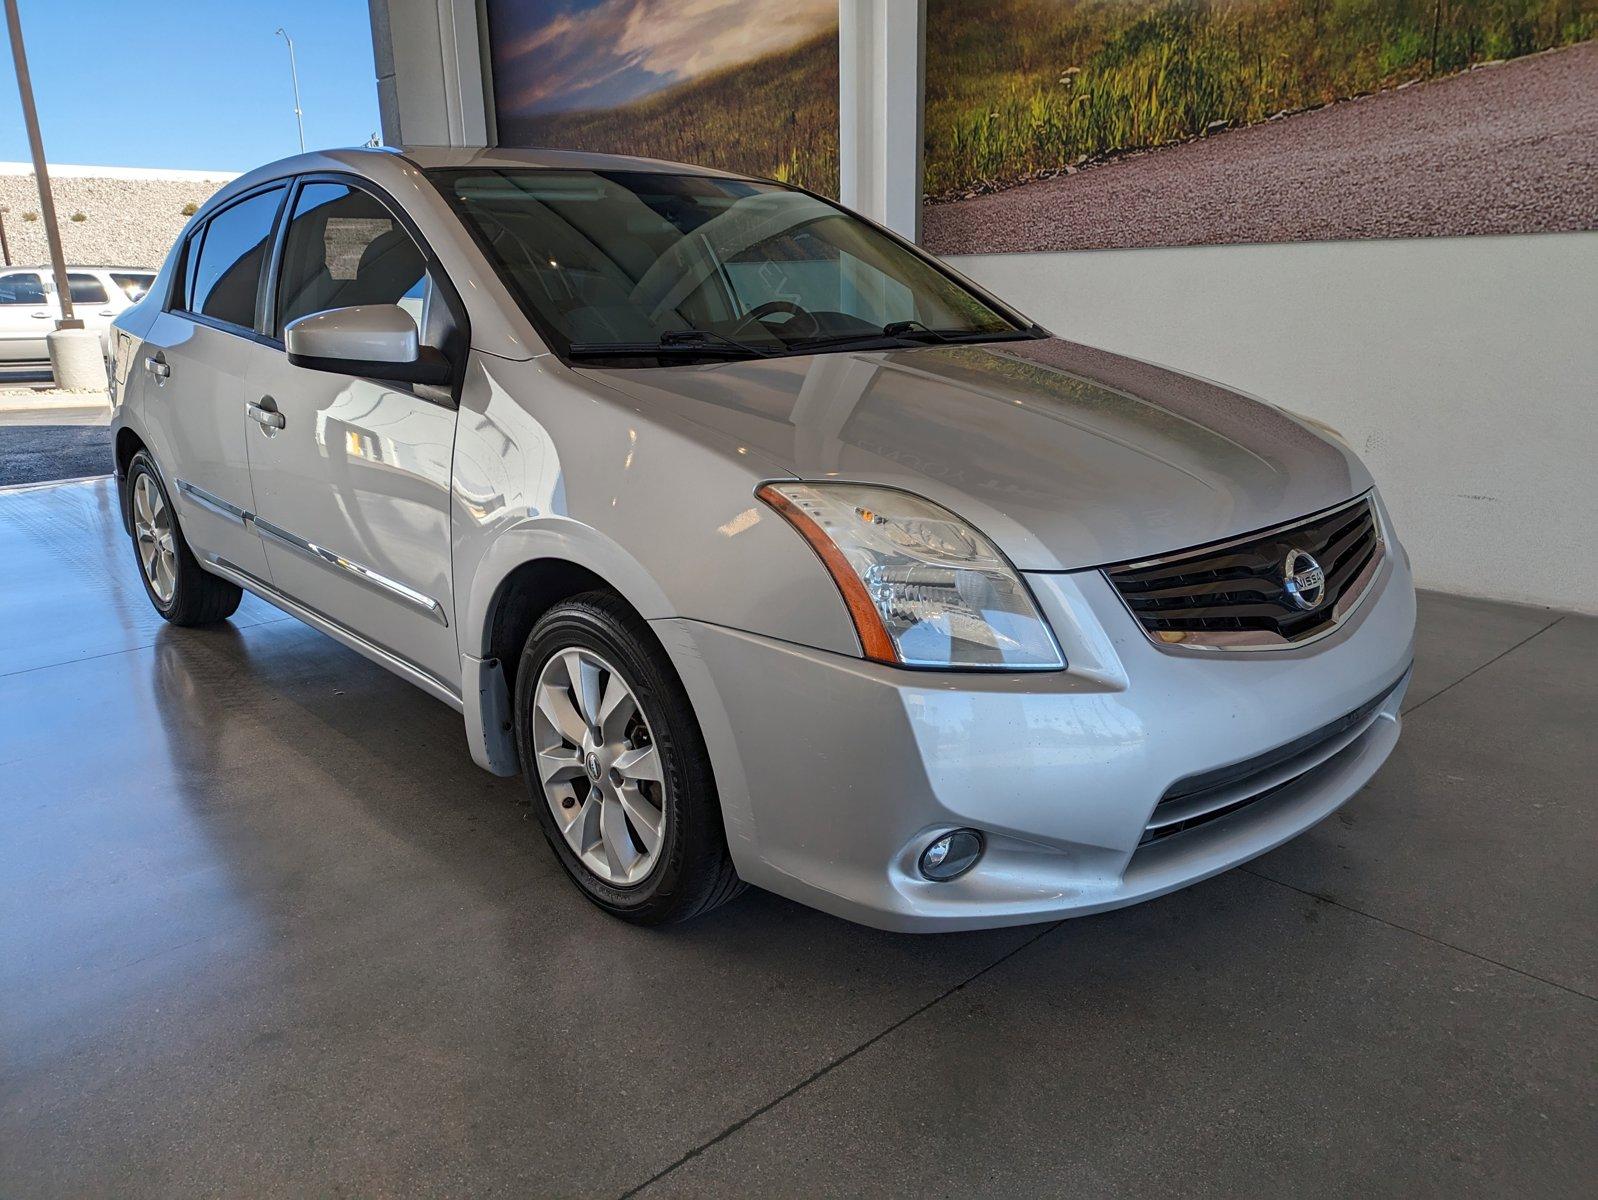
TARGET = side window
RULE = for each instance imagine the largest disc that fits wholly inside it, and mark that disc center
(86, 289)
(227, 270)
(344, 248)
(23, 287)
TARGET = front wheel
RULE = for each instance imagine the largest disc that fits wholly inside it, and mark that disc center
(182, 591)
(616, 767)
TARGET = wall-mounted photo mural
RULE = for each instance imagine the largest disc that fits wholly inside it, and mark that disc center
(743, 85)
(1086, 124)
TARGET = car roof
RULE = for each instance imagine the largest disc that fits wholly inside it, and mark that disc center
(500, 158)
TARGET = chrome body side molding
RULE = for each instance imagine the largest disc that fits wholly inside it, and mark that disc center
(215, 503)
(365, 574)
(381, 655)
(355, 570)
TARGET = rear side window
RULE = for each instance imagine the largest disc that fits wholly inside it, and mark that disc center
(227, 272)
(22, 288)
(86, 289)
(344, 248)
(134, 284)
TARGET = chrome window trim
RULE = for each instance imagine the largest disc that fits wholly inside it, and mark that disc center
(1264, 640)
(358, 571)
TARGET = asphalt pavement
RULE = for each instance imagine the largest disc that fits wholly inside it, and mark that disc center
(32, 453)
(1511, 148)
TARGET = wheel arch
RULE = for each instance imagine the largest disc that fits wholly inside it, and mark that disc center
(524, 573)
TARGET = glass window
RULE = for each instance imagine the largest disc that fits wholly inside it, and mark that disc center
(345, 248)
(86, 289)
(228, 269)
(616, 259)
(24, 287)
(134, 284)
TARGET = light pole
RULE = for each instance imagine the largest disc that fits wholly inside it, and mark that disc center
(30, 119)
(294, 74)
(75, 357)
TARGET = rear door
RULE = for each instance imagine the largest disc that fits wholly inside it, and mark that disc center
(26, 316)
(196, 356)
(352, 489)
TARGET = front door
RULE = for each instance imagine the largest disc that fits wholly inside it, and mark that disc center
(352, 476)
(195, 358)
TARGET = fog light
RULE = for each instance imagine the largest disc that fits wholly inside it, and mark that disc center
(952, 855)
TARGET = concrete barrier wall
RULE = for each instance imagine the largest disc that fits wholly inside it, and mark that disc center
(129, 217)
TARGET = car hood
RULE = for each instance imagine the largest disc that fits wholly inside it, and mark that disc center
(1066, 456)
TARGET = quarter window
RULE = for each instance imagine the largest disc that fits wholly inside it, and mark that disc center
(345, 248)
(22, 288)
(227, 272)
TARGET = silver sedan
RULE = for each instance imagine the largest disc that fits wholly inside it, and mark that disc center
(764, 546)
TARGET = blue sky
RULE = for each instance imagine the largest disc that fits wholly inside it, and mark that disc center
(189, 84)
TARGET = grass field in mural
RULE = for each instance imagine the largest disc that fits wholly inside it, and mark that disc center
(1022, 88)
(775, 117)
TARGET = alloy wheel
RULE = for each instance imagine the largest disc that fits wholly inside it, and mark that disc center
(152, 530)
(599, 766)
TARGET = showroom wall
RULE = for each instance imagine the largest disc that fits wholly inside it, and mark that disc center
(1463, 370)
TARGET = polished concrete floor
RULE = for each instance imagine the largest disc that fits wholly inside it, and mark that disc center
(265, 930)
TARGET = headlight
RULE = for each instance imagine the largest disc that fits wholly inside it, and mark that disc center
(923, 587)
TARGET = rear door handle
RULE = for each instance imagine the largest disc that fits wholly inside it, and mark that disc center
(156, 365)
(265, 414)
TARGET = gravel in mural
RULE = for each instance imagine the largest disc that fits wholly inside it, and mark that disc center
(1077, 124)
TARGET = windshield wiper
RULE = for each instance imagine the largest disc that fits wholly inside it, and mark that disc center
(661, 350)
(688, 337)
(900, 329)
(886, 340)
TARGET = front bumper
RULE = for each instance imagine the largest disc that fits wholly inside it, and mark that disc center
(835, 773)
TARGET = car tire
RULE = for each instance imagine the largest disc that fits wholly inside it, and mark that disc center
(691, 871)
(181, 590)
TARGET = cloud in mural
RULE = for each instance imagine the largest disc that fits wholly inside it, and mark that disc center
(581, 54)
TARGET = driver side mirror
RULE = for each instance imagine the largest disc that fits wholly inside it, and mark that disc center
(378, 341)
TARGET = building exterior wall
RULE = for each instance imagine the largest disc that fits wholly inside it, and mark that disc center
(129, 217)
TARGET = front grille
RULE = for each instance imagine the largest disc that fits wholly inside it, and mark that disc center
(1199, 799)
(1234, 595)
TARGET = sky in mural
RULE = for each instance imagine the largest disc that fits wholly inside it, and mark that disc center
(566, 55)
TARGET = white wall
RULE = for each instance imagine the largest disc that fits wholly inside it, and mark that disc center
(1463, 370)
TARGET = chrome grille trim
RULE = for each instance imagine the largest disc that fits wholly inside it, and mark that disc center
(1352, 538)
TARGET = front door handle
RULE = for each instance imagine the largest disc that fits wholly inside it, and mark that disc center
(265, 414)
(156, 365)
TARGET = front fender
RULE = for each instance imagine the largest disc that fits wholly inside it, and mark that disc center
(550, 537)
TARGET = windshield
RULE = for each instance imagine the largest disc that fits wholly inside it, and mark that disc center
(656, 266)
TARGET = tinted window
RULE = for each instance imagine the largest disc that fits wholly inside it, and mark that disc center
(229, 266)
(21, 289)
(86, 289)
(134, 284)
(619, 258)
(344, 248)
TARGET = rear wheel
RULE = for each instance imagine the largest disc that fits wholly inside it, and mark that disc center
(182, 591)
(616, 766)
